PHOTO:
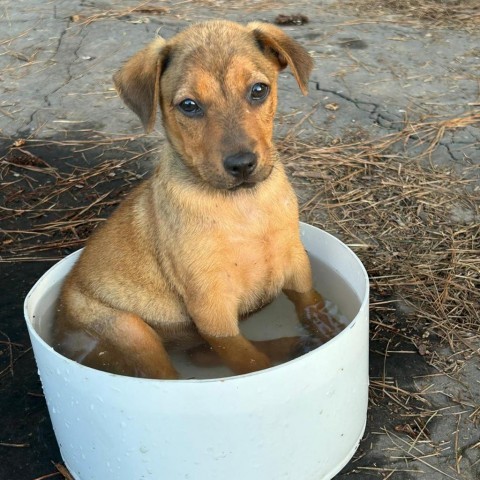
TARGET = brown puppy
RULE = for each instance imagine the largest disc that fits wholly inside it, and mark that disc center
(214, 233)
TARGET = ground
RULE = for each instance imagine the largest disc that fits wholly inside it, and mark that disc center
(384, 152)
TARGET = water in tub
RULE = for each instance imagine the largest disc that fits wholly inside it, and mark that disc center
(276, 320)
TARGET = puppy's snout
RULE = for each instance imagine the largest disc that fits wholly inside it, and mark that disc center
(240, 165)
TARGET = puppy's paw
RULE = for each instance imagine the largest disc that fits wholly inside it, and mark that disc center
(304, 345)
(320, 323)
(257, 361)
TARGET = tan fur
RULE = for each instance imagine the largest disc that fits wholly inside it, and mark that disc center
(189, 251)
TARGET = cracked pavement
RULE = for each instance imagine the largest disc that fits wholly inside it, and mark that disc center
(369, 77)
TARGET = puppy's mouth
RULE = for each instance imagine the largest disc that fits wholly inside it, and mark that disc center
(220, 181)
(244, 186)
(251, 182)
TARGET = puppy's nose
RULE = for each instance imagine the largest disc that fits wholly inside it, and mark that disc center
(241, 164)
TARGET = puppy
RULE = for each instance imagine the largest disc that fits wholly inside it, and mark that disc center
(214, 233)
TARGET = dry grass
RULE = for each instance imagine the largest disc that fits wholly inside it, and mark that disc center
(463, 14)
(50, 205)
(179, 9)
(415, 226)
(143, 8)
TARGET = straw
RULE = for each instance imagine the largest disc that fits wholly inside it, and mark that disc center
(464, 14)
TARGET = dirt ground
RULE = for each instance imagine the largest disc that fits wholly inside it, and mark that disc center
(384, 152)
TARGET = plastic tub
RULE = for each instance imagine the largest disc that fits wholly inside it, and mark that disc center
(301, 420)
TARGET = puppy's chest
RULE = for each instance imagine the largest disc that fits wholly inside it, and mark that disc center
(244, 250)
(256, 258)
(248, 261)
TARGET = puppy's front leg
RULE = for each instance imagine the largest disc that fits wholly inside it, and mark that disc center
(218, 325)
(309, 304)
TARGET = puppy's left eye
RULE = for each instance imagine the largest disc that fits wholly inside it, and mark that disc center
(259, 92)
(190, 108)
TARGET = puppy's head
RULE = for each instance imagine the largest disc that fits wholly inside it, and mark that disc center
(216, 85)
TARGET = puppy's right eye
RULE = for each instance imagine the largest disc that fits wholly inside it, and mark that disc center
(259, 92)
(190, 108)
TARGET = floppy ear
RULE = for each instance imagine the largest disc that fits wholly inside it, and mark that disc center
(285, 50)
(138, 81)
